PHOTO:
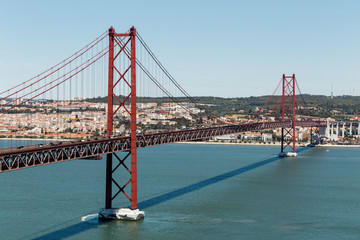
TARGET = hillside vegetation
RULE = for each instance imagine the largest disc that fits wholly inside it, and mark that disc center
(338, 107)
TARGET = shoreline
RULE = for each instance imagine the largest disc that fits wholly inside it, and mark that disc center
(228, 143)
(36, 139)
(344, 146)
(265, 144)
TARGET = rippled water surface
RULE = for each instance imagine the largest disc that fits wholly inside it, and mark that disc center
(193, 192)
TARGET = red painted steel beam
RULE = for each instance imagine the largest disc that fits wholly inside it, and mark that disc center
(110, 83)
(122, 34)
(110, 113)
(133, 122)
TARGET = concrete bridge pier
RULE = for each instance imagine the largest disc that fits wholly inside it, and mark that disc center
(333, 135)
(322, 132)
(332, 130)
(327, 130)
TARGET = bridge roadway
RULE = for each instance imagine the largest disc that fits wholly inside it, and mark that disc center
(30, 156)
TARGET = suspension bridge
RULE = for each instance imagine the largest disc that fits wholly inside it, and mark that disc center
(122, 68)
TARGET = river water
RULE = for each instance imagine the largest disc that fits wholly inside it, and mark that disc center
(193, 192)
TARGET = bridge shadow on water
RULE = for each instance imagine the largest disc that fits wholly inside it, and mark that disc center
(83, 226)
(196, 186)
(67, 231)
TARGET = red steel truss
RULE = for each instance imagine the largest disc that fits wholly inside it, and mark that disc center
(121, 42)
(288, 112)
(32, 156)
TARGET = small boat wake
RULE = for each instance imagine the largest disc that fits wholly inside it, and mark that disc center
(91, 218)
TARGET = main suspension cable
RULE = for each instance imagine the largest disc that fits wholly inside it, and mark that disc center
(102, 36)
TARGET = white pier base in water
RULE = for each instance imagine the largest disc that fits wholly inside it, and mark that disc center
(287, 154)
(121, 213)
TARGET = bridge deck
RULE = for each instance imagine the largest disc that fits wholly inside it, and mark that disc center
(35, 155)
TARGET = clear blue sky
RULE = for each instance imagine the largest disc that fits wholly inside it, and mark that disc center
(218, 48)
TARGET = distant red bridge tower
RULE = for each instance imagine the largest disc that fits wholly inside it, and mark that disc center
(288, 113)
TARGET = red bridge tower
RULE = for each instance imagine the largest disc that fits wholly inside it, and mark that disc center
(288, 114)
(119, 45)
